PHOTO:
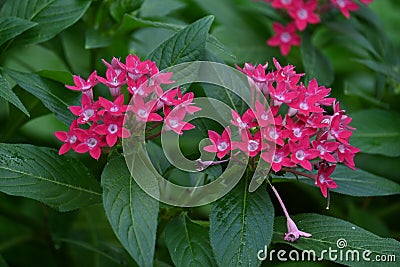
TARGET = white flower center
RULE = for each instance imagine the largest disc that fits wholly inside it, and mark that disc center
(241, 124)
(87, 114)
(143, 113)
(300, 155)
(91, 142)
(114, 109)
(321, 149)
(277, 158)
(341, 3)
(297, 132)
(303, 106)
(112, 128)
(302, 13)
(72, 139)
(322, 179)
(341, 148)
(222, 146)
(173, 123)
(286, 2)
(285, 37)
(273, 134)
(252, 145)
(264, 116)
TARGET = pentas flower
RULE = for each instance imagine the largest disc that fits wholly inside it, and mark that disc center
(323, 179)
(247, 121)
(258, 75)
(114, 108)
(296, 130)
(174, 120)
(99, 122)
(326, 149)
(145, 111)
(280, 159)
(282, 93)
(303, 13)
(87, 112)
(286, 74)
(90, 142)
(281, 3)
(346, 153)
(345, 6)
(285, 37)
(306, 104)
(274, 134)
(69, 138)
(265, 118)
(115, 77)
(251, 144)
(86, 87)
(135, 69)
(221, 143)
(293, 232)
(174, 97)
(302, 153)
(112, 128)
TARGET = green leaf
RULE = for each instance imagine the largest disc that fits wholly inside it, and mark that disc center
(3, 263)
(157, 157)
(326, 231)
(7, 93)
(377, 132)
(63, 77)
(11, 27)
(131, 212)
(130, 23)
(355, 183)
(316, 64)
(51, 16)
(385, 69)
(354, 39)
(184, 46)
(241, 223)
(97, 39)
(108, 252)
(156, 8)
(52, 94)
(188, 243)
(119, 8)
(40, 173)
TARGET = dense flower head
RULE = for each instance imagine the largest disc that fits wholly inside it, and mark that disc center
(290, 117)
(99, 122)
(301, 13)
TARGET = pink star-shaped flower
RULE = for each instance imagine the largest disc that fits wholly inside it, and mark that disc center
(86, 87)
(221, 143)
(323, 179)
(69, 138)
(345, 6)
(285, 37)
(303, 13)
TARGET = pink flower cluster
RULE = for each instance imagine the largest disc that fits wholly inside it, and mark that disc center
(303, 13)
(99, 123)
(304, 134)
